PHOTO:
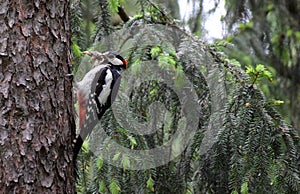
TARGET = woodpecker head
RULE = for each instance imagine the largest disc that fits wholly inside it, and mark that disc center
(110, 57)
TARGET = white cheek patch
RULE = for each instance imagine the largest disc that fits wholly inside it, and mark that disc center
(116, 61)
(106, 88)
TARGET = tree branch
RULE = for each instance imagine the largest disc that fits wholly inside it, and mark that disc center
(123, 15)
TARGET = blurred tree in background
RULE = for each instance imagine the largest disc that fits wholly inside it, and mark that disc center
(253, 150)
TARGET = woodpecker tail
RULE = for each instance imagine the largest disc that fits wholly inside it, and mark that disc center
(77, 148)
(87, 122)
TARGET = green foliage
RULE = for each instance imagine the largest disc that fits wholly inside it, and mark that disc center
(114, 187)
(102, 187)
(252, 149)
(169, 61)
(153, 11)
(249, 147)
(179, 77)
(267, 32)
(125, 162)
(258, 73)
(245, 26)
(99, 163)
(234, 192)
(277, 102)
(155, 51)
(135, 66)
(244, 188)
(133, 142)
(76, 50)
(138, 16)
(114, 5)
(150, 184)
(77, 55)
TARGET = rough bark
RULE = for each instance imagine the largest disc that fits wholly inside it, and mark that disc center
(36, 108)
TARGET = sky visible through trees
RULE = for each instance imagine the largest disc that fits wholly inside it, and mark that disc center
(213, 24)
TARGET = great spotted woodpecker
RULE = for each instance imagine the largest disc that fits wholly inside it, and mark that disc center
(97, 91)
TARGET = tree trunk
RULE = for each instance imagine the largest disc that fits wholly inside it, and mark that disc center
(36, 107)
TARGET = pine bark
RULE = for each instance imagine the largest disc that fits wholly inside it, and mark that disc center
(36, 106)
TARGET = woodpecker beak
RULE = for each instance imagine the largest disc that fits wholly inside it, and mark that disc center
(87, 53)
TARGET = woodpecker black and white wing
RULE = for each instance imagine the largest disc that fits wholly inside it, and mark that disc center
(102, 90)
(88, 116)
(105, 82)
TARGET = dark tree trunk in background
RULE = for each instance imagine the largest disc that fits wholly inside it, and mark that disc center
(36, 108)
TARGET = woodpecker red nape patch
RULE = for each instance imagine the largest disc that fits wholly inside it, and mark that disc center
(125, 62)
